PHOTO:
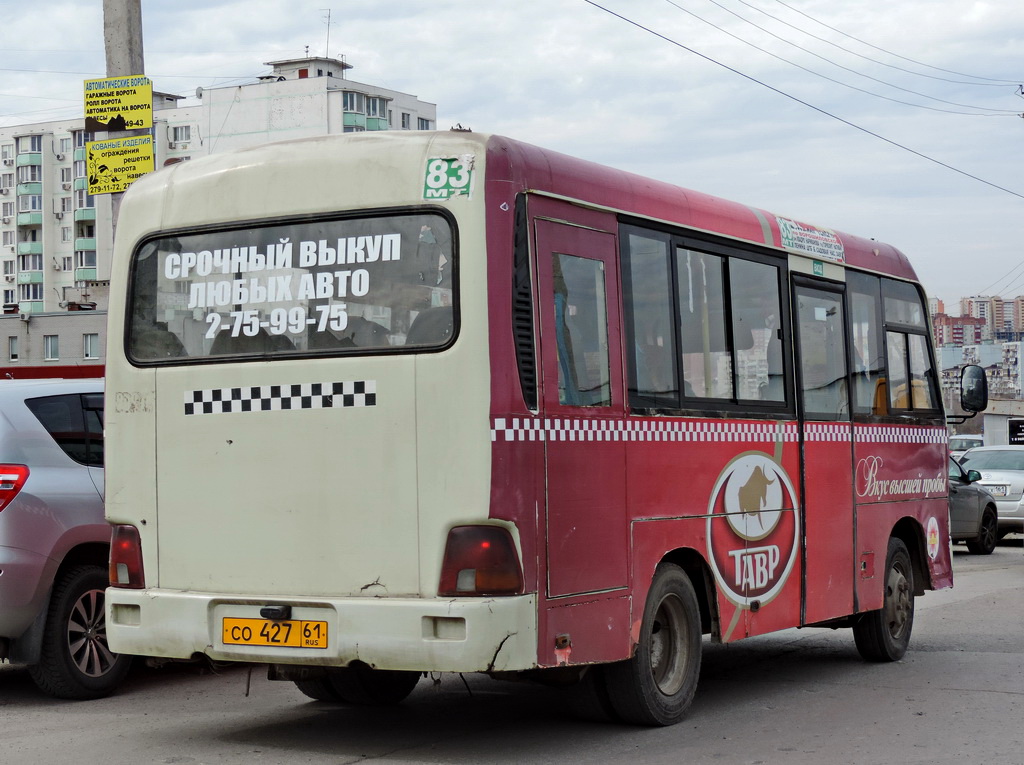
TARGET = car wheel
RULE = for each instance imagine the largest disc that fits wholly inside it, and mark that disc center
(75, 661)
(656, 686)
(988, 534)
(884, 635)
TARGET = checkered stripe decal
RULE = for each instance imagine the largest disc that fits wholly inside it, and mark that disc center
(899, 434)
(574, 429)
(276, 398)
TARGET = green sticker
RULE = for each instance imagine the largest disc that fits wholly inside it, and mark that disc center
(819, 268)
(447, 178)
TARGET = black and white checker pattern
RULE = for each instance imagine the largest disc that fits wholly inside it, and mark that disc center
(276, 398)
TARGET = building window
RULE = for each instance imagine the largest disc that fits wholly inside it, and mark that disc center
(12, 349)
(30, 292)
(406, 121)
(65, 204)
(30, 203)
(9, 297)
(68, 263)
(83, 199)
(422, 124)
(8, 209)
(65, 233)
(8, 268)
(354, 129)
(80, 168)
(181, 134)
(8, 238)
(7, 151)
(353, 102)
(85, 259)
(376, 107)
(30, 144)
(81, 139)
(65, 175)
(51, 347)
(91, 346)
(65, 145)
(6, 180)
(30, 262)
(30, 174)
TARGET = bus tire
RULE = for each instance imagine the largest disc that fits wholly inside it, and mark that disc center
(656, 686)
(361, 685)
(75, 661)
(884, 635)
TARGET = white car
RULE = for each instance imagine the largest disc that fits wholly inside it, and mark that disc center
(959, 444)
(1002, 473)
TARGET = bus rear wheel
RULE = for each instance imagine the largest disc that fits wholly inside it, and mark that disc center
(884, 635)
(656, 686)
(360, 685)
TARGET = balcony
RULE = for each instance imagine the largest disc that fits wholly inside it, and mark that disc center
(85, 274)
(35, 187)
(30, 219)
(29, 158)
(81, 183)
(85, 213)
(79, 154)
(30, 248)
(85, 243)
(30, 277)
(352, 119)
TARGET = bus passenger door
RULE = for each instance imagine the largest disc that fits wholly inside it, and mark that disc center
(582, 406)
(827, 439)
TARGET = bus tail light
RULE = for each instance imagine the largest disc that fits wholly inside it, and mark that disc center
(480, 560)
(12, 480)
(126, 558)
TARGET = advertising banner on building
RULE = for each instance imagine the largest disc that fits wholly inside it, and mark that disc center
(113, 165)
(118, 103)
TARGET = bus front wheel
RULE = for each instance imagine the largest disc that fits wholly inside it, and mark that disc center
(884, 635)
(656, 686)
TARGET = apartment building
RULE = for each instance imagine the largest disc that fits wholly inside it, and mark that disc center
(56, 238)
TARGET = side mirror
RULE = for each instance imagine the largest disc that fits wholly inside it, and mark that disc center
(973, 475)
(973, 389)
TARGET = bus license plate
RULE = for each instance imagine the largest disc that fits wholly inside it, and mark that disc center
(284, 634)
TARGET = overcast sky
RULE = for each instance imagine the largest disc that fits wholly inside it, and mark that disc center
(897, 121)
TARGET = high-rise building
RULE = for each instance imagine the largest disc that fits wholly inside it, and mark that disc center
(56, 239)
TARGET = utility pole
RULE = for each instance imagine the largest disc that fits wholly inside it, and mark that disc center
(122, 42)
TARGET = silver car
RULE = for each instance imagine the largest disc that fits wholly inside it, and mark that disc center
(1002, 473)
(54, 541)
(972, 511)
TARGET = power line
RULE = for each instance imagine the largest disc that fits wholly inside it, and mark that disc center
(1003, 113)
(895, 55)
(998, 84)
(800, 101)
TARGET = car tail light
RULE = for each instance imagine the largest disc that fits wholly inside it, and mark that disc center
(126, 558)
(480, 560)
(12, 480)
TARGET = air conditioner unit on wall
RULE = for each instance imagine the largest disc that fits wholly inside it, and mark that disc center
(60, 157)
(6, 219)
(58, 215)
(9, 277)
(8, 161)
(5, 192)
(66, 186)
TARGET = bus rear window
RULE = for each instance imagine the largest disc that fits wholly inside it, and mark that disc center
(352, 285)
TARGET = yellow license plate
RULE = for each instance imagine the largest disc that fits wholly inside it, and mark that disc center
(284, 634)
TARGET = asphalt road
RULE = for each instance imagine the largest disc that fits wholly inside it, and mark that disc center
(799, 697)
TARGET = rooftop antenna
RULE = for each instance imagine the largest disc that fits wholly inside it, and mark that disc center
(327, 50)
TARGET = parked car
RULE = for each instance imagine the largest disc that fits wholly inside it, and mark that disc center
(1002, 473)
(959, 444)
(54, 541)
(972, 510)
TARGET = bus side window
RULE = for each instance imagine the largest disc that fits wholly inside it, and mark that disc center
(870, 393)
(706, 355)
(581, 327)
(649, 318)
(912, 383)
(756, 323)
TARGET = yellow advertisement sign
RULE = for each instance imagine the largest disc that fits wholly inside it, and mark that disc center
(113, 165)
(118, 103)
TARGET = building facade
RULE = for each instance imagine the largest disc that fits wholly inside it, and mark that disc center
(56, 239)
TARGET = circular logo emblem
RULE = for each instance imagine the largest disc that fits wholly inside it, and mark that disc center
(753, 529)
(932, 534)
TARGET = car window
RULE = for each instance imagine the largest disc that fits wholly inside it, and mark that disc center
(78, 431)
(955, 471)
(998, 459)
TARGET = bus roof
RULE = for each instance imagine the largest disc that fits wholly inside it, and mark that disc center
(555, 173)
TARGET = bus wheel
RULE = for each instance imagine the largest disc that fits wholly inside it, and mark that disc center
(360, 685)
(656, 686)
(884, 635)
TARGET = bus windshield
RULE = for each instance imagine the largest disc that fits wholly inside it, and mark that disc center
(343, 285)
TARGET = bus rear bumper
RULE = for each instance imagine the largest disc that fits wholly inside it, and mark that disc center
(421, 634)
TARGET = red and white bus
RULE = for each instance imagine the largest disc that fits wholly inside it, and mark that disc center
(381, 405)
